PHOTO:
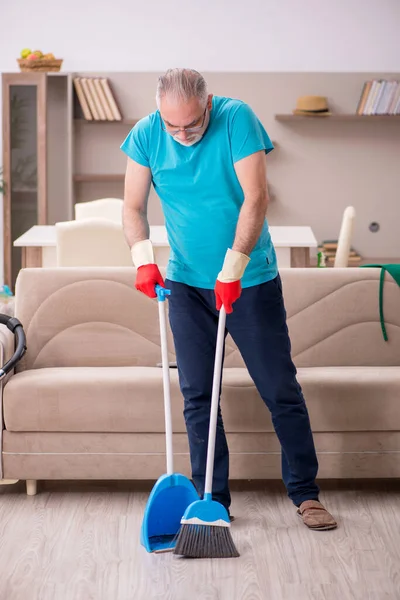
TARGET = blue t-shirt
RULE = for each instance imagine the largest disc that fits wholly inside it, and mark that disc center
(200, 192)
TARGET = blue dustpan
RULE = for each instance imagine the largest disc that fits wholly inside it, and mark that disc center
(167, 503)
(173, 492)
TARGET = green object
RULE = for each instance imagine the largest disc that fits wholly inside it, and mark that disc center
(394, 271)
(321, 260)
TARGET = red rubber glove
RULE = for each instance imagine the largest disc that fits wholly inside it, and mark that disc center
(147, 278)
(226, 294)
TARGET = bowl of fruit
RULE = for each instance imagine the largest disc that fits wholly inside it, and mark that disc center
(37, 61)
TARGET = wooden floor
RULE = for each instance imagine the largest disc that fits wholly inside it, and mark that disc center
(80, 542)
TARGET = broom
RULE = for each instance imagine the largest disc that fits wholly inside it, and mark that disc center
(205, 525)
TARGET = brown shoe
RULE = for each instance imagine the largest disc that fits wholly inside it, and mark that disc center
(315, 516)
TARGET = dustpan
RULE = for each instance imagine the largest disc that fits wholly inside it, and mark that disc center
(172, 493)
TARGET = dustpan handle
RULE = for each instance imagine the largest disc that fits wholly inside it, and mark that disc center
(162, 293)
(215, 401)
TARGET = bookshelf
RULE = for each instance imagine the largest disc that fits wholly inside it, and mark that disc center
(99, 126)
(131, 122)
(338, 117)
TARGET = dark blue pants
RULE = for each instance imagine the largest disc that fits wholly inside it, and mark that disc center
(258, 327)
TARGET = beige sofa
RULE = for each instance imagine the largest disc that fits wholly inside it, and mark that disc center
(87, 400)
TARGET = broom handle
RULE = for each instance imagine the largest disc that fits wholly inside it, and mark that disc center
(161, 293)
(215, 401)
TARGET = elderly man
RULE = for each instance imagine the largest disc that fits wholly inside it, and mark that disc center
(205, 156)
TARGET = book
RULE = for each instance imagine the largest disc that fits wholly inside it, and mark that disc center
(395, 97)
(110, 99)
(379, 93)
(351, 259)
(103, 99)
(89, 99)
(96, 99)
(389, 97)
(397, 108)
(379, 97)
(82, 99)
(374, 96)
(332, 252)
(384, 103)
(370, 98)
(327, 244)
(363, 98)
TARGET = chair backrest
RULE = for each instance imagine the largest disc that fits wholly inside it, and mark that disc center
(345, 236)
(107, 208)
(92, 243)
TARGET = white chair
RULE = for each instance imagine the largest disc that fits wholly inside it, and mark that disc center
(107, 208)
(345, 237)
(91, 243)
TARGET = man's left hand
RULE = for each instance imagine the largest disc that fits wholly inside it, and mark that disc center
(228, 287)
(226, 294)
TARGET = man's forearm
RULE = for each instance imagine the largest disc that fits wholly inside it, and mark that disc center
(250, 223)
(136, 226)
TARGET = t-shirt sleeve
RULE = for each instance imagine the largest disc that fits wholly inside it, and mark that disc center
(136, 144)
(248, 134)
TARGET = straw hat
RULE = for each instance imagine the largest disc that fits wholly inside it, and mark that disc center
(315, 106)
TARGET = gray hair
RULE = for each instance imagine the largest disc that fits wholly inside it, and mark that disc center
(182, 84)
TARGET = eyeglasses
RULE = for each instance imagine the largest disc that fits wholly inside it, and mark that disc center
(175, 130)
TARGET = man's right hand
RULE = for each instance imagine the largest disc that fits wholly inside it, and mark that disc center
(148, 276)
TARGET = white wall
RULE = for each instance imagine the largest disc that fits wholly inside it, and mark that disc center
(211, 35)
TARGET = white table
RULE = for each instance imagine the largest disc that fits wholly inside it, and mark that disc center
(292, 245)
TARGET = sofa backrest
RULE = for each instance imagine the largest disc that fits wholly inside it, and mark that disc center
(95, 317)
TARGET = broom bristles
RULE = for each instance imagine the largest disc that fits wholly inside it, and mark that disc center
(205, 541)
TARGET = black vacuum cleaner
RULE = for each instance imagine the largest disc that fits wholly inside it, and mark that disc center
(15, 326)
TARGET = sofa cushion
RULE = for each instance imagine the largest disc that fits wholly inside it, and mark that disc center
(352, 398)
(338, 399)
(96, 399)
(130, 399)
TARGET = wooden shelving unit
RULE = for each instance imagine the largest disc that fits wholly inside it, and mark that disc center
(122, 122)
(90, 130)
(37, 157)
(339, 117)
